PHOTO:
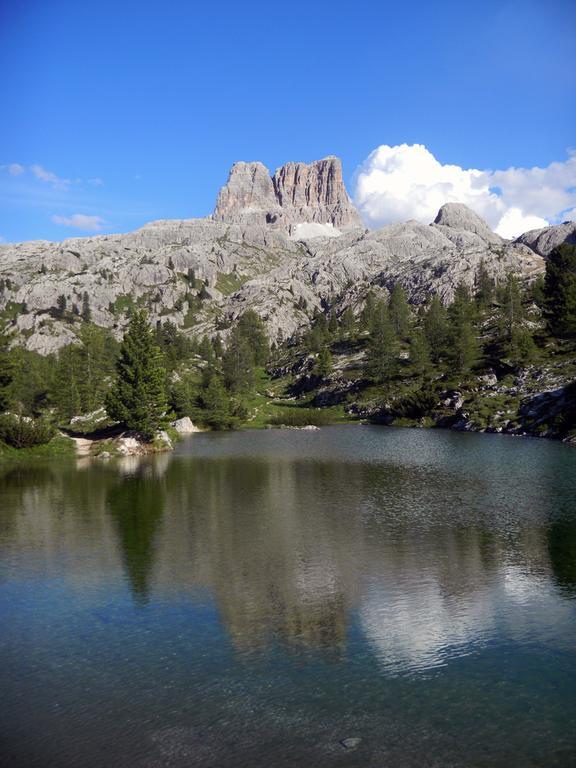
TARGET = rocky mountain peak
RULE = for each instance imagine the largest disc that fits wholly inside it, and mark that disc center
(297, 193)
(459, 217)
(544, 240)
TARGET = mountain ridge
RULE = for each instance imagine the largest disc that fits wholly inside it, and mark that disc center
(203, 273)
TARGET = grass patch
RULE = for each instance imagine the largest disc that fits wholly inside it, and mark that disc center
(299, 416)
(229, 282)
(58, 447)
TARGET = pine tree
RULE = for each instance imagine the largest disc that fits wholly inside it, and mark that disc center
(317, 336)
(217, 346)
(333, 325)
(175, 346)
(86, 311)
(512, 313)
(324, 364)
(399, 311)
(560, 290)
(214, 402)
(252, 330)
(420, 358)
(96, 359)
(465, 347)
(238, 363)
(61, 305)
(537, 292)
(521, 347)
(483, 286)
(464, 344)
(436, 328)
(462, 310)
(65, 395)
(138, 398)
(206, 350)
(6, 370)
(367, 315)
(348, 325)
(383, 345)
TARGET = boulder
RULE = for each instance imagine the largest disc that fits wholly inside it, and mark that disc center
(184, 426)
(128, 445)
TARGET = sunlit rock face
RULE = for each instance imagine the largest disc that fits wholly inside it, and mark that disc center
(275, 244)
(297, 193)
(543, 241)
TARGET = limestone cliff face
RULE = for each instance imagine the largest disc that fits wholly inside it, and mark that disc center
(248, 197)
(297, 193)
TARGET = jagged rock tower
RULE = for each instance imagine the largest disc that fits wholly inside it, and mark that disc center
(297, 193)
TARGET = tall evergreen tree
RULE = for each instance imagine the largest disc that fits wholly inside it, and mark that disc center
(560, 290)
(465, 347)
(174, 344)
(348, 325)
(6, 369)
(238, 363)
(483, 286)
(462, 310)
(435, 324)
(367, 315)
(138, 398)
(252, 330)
(317, 336)
(511, 310)
(420, 357)
(520, 347)
(464, 344)
(324, 364)
(206, 350)
(86, 311)
(214, 402)
(97, 357)
(217, 346)
(65, 393)
(61, 305)
(333, 325)
(383, 346)
(400, 314)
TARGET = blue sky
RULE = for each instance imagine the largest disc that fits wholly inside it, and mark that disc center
(116, 113)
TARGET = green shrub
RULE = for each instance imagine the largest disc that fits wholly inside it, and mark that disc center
(23, 432)
(415, 405)
(300, 417)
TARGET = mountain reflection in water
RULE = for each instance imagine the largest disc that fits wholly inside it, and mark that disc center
(420, 550)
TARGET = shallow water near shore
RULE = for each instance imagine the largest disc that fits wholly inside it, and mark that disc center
(257, 598)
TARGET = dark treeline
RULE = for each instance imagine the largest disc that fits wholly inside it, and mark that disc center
(489, 321)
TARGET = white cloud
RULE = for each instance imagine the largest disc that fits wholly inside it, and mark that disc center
(80, 221)
(514, 222)
(15, 169)
(50, 177)
(407, 182)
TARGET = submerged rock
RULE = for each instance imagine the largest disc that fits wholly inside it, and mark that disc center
(351, 742)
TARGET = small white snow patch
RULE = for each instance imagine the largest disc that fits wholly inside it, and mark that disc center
(314, 229)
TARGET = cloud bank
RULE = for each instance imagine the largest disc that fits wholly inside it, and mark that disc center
(407, 182)
(80, 221)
